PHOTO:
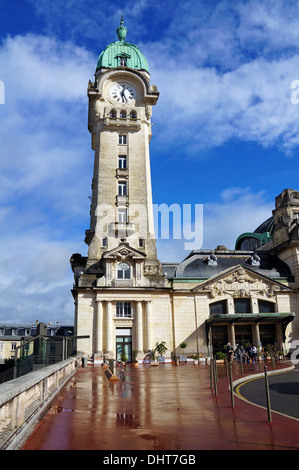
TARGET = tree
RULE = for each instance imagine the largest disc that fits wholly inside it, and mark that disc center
(159, 348)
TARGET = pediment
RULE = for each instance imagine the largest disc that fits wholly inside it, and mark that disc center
(122, 252)
(240, 282)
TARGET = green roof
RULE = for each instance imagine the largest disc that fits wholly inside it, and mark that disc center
(122, 53)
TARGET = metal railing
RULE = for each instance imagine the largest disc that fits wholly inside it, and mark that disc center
(36, 353)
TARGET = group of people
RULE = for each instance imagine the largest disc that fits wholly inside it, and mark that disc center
(242, 354)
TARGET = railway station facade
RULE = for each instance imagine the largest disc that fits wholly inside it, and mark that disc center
(125, 298)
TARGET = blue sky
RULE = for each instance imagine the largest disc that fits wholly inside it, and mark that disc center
(225, 131)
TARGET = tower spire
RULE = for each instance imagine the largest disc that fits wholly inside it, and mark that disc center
(121, 30)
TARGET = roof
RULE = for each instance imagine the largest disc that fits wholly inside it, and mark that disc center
(204, 264)
(262, 234)
(110, 57)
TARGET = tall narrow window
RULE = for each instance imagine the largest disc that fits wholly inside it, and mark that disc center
(122, 139)
(123, 114)
(122, 161)
(122, 216)
(122, 188)
(123, 271)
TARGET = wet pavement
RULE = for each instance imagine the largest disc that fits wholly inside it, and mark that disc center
(159, 408)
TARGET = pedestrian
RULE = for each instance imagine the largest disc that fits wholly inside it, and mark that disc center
(249, 353)
(229, 352)
(237, 354)
(254, 353)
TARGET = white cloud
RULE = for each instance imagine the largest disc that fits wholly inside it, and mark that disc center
(44, 175)
(236, 211)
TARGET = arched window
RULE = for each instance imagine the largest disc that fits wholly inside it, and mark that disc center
(123, 114)
(113, 113)
(133, 115)
(123, 271)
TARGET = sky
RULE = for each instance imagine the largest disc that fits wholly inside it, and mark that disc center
(225, 127)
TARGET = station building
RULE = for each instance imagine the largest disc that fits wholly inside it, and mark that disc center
(125, 298)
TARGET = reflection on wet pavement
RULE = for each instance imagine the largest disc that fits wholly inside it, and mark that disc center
(165, 407)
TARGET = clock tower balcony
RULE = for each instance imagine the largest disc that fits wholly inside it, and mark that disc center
(122, 173)
(122, 123)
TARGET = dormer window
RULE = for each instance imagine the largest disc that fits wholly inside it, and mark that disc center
(122, 59)
(123, 271)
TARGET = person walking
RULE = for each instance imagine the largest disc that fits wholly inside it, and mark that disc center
(254, 353)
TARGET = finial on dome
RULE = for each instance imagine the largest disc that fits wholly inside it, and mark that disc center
(121, 30)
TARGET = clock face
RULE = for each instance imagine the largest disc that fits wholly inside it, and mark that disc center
(122, 93)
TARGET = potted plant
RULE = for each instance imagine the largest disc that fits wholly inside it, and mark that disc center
(123, 356)
(183, 358)
(134, 357)
(159, 348)
(220, 357)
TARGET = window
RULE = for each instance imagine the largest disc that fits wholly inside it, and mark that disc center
(133, 115)
(122, 162)
(242, 306)
(122, 216)
(123, 271)
(266, 307)
(141, 243)
(123, 115)
(218, 307)
(123, 310)
(123, 61)
(122, 188)
(13, 346)
(104, 242)
(113, 113)
(122, 139)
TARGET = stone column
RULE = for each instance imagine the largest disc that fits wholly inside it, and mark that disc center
(256, 335)
(139, 327)
(109, 331)
(98, 328)
(148, 316)
(231, 335)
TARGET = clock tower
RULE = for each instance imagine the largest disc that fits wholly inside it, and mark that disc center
(122, 259)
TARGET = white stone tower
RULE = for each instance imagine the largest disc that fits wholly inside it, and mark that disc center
(121, 240)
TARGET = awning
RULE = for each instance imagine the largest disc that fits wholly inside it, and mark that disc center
(284, 318)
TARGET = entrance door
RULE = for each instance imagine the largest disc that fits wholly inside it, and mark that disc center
(124, 343)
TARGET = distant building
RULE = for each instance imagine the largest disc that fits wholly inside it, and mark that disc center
(11, 335)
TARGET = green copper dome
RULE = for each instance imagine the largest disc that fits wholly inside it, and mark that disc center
(122, 53)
